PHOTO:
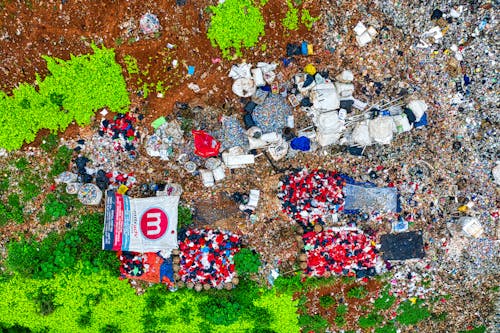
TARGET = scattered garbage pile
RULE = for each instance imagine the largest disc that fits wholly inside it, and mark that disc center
(207, 258)
(149, 267)
(344, 251)
(310, 197)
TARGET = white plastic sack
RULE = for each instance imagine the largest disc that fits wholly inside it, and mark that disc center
(471, 226)
(325, 139)
(324, 97)
(359, 28)
(329, 122)
(256, 143)
(244, 87)
(344, 90)
(207, 177)
(258, 77)
(361, 134)
(346, 76)
(240, 71)
(402, 124)
(363, 39)
(381, 130)
(418, 107)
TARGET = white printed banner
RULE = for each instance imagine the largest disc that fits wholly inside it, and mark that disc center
(140, 225)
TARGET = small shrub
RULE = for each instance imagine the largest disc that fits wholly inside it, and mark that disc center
(314, 323)
(340, 321)
(288, 284)
(185, 217)
(371, 320)
(235, 24)
(247, 261)
(61, 161)
(385, 300)
(307, 20)
(220, 311)
(22, 164)
(326, 301)
(50, 142)
(387, 328)
(291, 20)
(357, 292)
(410, 314)
(45, 301)
(341, 309)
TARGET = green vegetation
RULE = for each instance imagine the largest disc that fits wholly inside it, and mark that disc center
(326, 301)
(410, 314)
(291, 20)
(342, 309)
(11, 210)
(371, 320)
(314, 323)
(235, 24)
(57, 205)
(55, 253)
(307, 20)
(49, 143)
(247, 262)
(385, 300)
(387, 328)
(357, 292)
(184, 217)
(73, 91)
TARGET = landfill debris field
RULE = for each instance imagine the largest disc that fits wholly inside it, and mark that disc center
(249, 166)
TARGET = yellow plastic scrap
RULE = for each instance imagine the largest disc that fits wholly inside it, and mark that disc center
(310, 49)
(310, 69)
(463, 209)
(122, 189)
(413, 300)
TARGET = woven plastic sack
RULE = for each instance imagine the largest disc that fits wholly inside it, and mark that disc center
(381, 130)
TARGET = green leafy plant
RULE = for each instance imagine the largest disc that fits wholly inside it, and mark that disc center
(61, 162)
(57, 205)
(247, 261)
(73, 91)
(410, 314)
(235, 24)
(45, 301)
(371, 320)
(387, 328)
(131, 64)
(340, 321)
(314, 323)
(56, 253)
(289, 284)
(326, 301)
(184, 217)
(220, 311)
(341, 309)
(12, 210)
(291, 20)
(357, 292)
(50, 142)
(307, 20)
(385, 300)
